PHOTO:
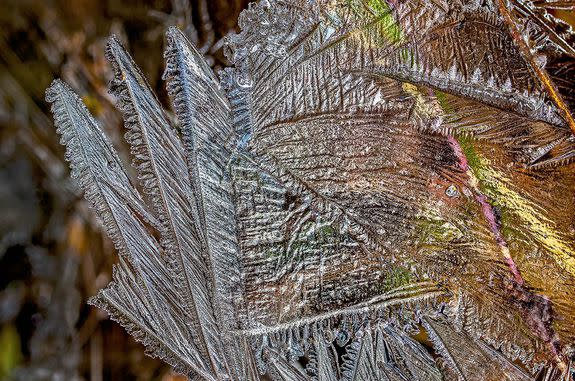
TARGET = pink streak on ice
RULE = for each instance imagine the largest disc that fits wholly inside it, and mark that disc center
(487, 210)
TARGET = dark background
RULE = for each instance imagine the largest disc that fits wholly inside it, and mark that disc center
(53, 255)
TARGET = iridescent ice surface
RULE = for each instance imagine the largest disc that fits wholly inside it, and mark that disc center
(375, 190)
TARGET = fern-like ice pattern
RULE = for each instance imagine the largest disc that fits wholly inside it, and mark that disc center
(376, 190)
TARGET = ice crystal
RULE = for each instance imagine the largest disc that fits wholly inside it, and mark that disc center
(376, 190)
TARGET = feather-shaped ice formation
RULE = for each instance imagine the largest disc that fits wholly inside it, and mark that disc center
(376, 190)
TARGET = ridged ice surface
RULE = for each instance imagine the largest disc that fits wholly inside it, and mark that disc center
(374, 191)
